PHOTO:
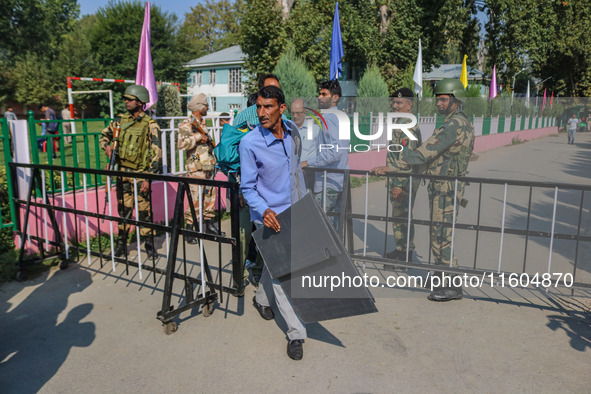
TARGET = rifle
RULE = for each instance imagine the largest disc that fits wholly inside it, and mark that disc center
(111, 165)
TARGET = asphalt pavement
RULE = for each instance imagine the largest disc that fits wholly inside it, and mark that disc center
(88, 329)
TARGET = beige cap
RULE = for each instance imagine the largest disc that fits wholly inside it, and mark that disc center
(197, 102)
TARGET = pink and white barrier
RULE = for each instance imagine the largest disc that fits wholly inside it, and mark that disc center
(368, 160)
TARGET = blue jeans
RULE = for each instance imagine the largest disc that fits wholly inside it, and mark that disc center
(571, 135)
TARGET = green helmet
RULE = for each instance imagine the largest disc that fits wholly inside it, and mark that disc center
(139, 92)
(451, 86)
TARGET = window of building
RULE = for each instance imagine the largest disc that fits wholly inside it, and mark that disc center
(235, 107)
(212, 77)
(213, 104)
(198, 78)
(234, 82)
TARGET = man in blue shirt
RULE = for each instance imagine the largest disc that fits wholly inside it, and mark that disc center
(336, 157)
(271, 181)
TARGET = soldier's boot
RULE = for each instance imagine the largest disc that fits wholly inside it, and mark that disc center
(399, 255)
(150, 249)
(446, 293)
(211, 227)
(190, 238)
(121, 246)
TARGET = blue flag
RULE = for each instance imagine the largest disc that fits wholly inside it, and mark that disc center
(336, 47)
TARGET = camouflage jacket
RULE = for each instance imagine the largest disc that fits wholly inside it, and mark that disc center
(199, 153)
(447, 152)
(398, 137)
(139, 142)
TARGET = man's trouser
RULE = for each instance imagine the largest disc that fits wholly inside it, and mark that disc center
(208, 196)
(441, 198)
(333, 204)
(571, 135)
(400, 211)
(245, 237)
(270, 288)
(126, 204)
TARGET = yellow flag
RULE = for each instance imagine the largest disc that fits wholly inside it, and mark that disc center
(464, 74)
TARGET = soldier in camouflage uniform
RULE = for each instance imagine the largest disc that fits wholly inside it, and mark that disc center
(447, 152)
(200, 163)
(402, 101)
(139, 151)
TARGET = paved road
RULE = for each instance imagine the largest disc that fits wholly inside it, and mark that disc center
(87, 329)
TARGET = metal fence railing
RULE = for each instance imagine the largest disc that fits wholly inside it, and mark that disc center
(508, 228)
(7, 212)
(67, 225)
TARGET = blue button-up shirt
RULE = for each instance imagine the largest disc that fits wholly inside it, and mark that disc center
(336, 157)
(270, 171)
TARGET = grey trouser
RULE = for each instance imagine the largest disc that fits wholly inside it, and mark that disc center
(295, 327)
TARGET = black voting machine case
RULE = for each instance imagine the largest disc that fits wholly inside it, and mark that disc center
(303, 255)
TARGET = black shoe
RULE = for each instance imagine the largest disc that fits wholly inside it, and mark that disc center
(265, 311)
(295, 349)
(211, 227)
(189, 238)
(121, 246)
(150, 250)
(446, 294)
(392, 255)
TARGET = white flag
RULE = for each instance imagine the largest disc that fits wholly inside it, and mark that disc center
(418, 77)
(527, 96)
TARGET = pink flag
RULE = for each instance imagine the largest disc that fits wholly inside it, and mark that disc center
(551, 100)
(145, 71)
(493, 84)
(544, 101)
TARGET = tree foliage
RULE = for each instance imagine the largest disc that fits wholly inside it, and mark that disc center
(32, 33)
(547, 37)
(262, 38)
(372, 84)
(35, 26)
(210, 27)
(296, 79)
(115, 39)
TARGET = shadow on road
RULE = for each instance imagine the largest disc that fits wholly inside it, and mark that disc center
(35, 340)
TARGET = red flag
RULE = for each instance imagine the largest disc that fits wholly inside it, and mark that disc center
(551, 100)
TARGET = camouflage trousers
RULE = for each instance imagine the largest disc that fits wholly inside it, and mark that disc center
(441, 198)
(400, 230)
(126, 205)
(208, 197)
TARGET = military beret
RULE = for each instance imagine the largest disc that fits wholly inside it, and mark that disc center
(403, 92)
(197, 102)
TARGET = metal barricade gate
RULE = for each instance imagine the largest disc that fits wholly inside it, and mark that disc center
(39, 200)
(543, 208)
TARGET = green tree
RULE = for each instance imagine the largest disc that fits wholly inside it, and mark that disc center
(547, 37)
(33, 84)
(400, 40)
(76, 59)
(296, 79)
(372, 92)
(210, 27)
(35, 26)
(169, 101)
(32, 32)
(262, 38)
(115, 39)
(372, 84)
(310, 30)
